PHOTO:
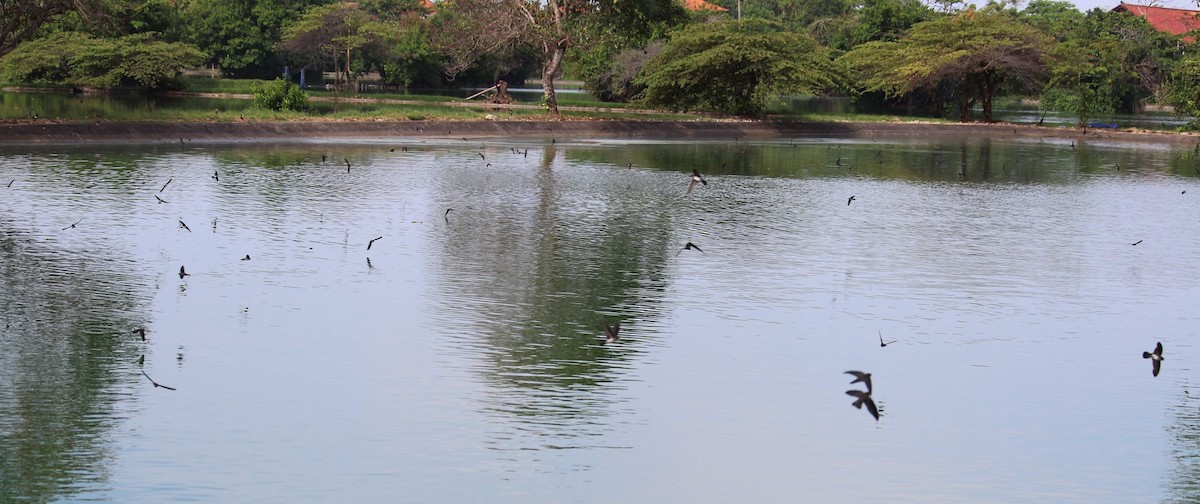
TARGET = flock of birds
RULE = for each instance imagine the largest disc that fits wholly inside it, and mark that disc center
(611, 331)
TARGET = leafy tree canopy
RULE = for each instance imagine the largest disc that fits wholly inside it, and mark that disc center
(736, 67)
(977, 50)
(74, 58)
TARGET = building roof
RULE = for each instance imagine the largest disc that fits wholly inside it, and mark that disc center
(699, 5)
(1163, 19)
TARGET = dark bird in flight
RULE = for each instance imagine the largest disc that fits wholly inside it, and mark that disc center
(156, 384)
(372, 242)
(165, 185)
(610, 333)
(696, 179)
(323, 159)
(849, 201)
(73, 225)
(180, 143)
(10, 183)
(481, 156)
(1156, 357)
(141, 332)
(160, 200)
(862, 398)
(860, 376)
(183, 273)
(247, 258)
(882, 344)
(689, 246)
(369, 266)
(184, 226)
(347, 164)
(447, 214)
(1137, 242)
(393, 149)
(216, 176)
(141, 360)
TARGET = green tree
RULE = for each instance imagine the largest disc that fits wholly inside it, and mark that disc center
(20, 20)
(1183, 89)
(973, 52)
(241, 36)
(73, 58)
(1083, 78)
(736, 67)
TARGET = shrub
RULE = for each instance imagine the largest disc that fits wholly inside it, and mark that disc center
(280, 95)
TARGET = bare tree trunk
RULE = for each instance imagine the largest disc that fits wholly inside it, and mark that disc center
(553, 63)
(349, 86)
(964, 107)
(554, 53)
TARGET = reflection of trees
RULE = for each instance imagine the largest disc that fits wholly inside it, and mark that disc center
(539, 263)
(63, 350)
(1185, 478)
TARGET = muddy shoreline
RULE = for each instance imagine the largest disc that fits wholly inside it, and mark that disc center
(49, 133)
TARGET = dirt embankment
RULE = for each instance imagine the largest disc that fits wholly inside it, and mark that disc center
(44, 132)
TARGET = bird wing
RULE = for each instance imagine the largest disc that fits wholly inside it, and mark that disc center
(692, 186)
(871, 407)
(1157, 366)
(1158, 349)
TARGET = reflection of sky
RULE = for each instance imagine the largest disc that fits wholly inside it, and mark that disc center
(463, 365)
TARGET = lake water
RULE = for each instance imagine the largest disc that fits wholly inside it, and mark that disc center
(459, 359)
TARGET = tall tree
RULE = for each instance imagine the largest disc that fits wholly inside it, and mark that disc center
(21, 19)
(242, 35)
(974, 51)
(473, 29)
(736, 67)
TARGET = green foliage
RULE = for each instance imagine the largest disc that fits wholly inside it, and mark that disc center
(279, 95)
(619, 80)
(608, 43)
(1184, 89)
(73, 58)
(1083, 79)
(241, 36)
(974, 51)
(736, 67)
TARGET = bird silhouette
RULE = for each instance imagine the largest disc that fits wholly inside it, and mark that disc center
(180, 143)
(481, 156)
(185, 226)
(323, 159)
(881, 343)
(372, 242)
(165, 185)
(849, 201)
(216, 176)
(446, 216)
(183, 273)
(862, 398)
(696, 179)
(610, 333)
(72, 225)
(141, 360)
(160, 200)
(347, 164)
(1137, 242)
(156, 384)
(1156, 357)
(860, 376)
(141, 332)
(10, 183)
(689, 246)
(247, 258)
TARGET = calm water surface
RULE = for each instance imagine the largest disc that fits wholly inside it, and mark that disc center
(458, 360)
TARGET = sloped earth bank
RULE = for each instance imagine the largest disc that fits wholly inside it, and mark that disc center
(78, 132)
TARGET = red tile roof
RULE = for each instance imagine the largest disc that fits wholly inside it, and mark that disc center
(698, 5)
(1173, 21)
